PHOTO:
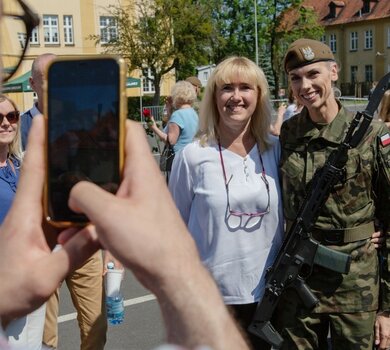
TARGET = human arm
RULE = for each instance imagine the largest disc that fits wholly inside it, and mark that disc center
(142, 228)
(173, 132)
(153, 126)
(382, 324)
(382, 330)
(275, 127)
(29, 282)
(181, 183)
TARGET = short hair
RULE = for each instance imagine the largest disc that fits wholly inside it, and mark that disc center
(224, 73)
(36, 65)
(183, 93)
(194, 81)
(384, 111)
(15, 147)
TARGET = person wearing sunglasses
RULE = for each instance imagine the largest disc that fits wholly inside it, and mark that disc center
(226, 185)
(27, 331)
(10, 153)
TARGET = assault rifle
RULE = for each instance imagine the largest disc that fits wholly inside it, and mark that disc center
(299, 251)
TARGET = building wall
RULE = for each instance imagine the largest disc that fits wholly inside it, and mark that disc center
(85, 14)
(378, 56)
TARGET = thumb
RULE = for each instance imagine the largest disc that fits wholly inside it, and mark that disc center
(377, 333)
(91, 200)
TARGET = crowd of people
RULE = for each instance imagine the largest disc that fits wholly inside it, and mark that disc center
(236, 185)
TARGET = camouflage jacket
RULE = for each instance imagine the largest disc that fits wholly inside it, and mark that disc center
(362, 196)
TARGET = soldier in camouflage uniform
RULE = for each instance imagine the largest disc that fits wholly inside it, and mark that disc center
(349, 303)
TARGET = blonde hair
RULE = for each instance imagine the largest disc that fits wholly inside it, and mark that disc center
(384, 110)
(183, 93)
(15, 147)
(224, 73)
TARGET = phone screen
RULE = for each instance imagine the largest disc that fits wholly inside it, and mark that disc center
(83, 130)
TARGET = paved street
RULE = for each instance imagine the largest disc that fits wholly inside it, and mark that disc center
(141, 330)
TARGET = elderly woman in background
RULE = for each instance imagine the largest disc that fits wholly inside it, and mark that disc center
(25, 332)
(183, 123)
(226, 186)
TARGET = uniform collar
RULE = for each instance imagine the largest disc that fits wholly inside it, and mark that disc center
(331, 132)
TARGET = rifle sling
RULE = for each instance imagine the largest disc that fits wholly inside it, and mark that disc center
(340, 236)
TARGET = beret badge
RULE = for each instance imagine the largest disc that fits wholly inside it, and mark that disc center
(308, 53)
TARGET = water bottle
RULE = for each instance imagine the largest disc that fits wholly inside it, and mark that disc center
(114, 299)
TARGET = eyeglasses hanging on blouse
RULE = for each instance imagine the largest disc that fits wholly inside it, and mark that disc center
(263, 178)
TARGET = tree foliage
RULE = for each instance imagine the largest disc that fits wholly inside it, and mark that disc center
(162, 35)
(233, 29)
(282, 22)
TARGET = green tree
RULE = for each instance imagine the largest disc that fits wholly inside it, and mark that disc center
(233, 29)
(162, 35)
(279, 23)
(282, 22)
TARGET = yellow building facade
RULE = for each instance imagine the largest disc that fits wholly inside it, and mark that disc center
(64, 30)
(358, 33)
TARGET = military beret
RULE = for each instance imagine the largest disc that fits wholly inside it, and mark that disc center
(306, 51)
(194, 81)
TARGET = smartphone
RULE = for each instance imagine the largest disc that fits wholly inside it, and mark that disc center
(85, 110)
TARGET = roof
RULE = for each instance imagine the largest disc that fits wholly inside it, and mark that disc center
(349, 10)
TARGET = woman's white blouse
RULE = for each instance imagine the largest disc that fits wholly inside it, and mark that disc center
(236, 250)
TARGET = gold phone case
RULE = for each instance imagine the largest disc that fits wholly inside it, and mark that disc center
(122, 118)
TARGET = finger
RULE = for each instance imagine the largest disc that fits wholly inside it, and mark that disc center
(377, 333)
(90, 199)
(139, 163)
(67, 234)
(74, 253)
(29, 192)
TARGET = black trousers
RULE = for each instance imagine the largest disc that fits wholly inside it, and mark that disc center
(243, 314)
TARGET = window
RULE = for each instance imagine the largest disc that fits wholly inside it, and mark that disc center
(147, 84)
(34, 39)
(368, 72)
(50, 29)
(332, 43)
(368, 39)
(353, 41)
(108, 29)
(205, 76)
(366, 6)
(323, 39)
(68, 30)
(22, 39)
(354, 70)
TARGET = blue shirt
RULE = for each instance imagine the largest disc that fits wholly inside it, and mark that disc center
(25, 123)
(8, 182)
(187, 120)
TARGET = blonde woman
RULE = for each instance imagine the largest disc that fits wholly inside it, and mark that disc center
(25, 332)
(226, 186)
(10, 153)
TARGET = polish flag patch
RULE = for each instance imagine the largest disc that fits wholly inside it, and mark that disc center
(385, 140)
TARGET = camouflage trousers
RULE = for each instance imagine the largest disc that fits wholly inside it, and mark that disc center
(348, 331)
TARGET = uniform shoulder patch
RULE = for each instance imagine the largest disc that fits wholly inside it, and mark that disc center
(385, 140)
